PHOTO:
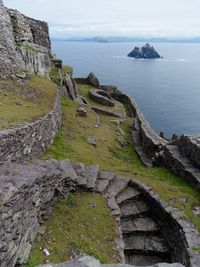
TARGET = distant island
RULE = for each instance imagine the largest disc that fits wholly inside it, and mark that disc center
(145, 52)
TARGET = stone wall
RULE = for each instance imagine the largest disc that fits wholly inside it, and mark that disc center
(32, 139)
(27, 193)
(19, 33)
(8, 56)
(145, 137)
(190, 147)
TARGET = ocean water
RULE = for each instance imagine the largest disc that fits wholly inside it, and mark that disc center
(167, 90)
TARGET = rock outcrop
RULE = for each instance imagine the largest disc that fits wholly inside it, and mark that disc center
(145, 52)
(24, 44)
(92, 80)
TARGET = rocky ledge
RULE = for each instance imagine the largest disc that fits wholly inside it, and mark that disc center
(145, 52)
(87, 261)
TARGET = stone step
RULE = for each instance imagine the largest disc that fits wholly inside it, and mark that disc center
(68, 170)
(127, 194)
(115, 210)
(181, 165)
(152, 244)
(142, 224)
(144, 260)
(133, 209)
(103, 180)
(80, 171)
(91, 173)
(116, 186)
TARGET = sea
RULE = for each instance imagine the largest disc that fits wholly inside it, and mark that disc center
(166, 90)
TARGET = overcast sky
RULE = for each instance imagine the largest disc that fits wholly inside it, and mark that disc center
(152, 18)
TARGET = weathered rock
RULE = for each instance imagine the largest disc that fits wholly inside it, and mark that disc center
(101, 97)
(91, 173)
(71, 86)
(92, 141)
(81, 111)
(146, 52)
(92, 80)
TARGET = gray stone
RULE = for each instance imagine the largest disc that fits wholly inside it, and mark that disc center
(91, 173)
(145, 243)
(127, 194)
(103, 180)
(143, 224)
(101, 97)
(92, 80)
(133, 208)
(80, 171)
(92, 141)
(117, 185)
(82, 111)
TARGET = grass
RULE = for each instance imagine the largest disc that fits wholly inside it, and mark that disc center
(55, 76)
(29, 48)
(80, 224)
(25, 101)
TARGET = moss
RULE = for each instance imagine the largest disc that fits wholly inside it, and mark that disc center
(29, 48)
(74, 227)
(25, 101)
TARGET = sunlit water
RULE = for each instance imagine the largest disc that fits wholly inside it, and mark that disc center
(167, 90)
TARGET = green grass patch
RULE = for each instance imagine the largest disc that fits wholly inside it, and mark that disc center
(25, 101)
(81, 224)
(29, 48)
(55, 76)
(67, 69)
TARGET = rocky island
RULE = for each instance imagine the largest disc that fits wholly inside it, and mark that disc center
(145, 52)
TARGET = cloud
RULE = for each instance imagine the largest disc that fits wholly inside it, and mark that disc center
(114, 17)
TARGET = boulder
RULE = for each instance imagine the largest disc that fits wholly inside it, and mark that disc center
(81, 112)
(92, 80)
(146, 52)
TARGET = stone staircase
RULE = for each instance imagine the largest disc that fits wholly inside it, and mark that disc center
(181, 165)
(143, 242)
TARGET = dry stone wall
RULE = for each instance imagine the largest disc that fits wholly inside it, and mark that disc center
(32, 139)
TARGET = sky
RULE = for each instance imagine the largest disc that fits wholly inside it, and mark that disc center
(131, 18)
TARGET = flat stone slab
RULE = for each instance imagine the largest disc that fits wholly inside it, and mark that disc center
(117, 185)
(91, 173)
(145, 224)
(133, 209)
(113, 206)
(127, 194)
(80, 171)
(103, 180)
(146, 260)
(145, 243)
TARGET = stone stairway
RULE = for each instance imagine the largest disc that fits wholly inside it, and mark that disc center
(181, 165)
(143, 242)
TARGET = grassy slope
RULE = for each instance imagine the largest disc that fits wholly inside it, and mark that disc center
(82, 223)
(25, 101)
